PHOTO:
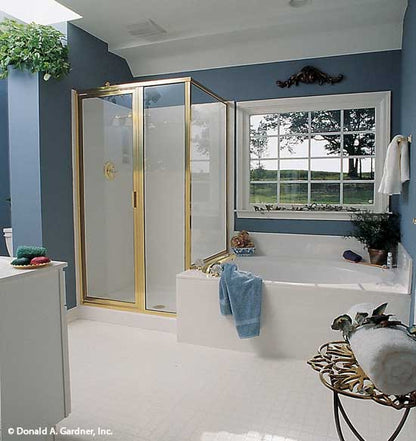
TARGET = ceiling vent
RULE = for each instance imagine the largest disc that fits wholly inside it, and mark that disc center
(298, 3)
(146, 30)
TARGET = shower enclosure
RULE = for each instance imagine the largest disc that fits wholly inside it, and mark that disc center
(151, 169)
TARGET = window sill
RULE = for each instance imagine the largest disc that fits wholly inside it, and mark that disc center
(295, 215)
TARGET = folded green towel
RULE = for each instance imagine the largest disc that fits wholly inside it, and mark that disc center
(30, 252)
(21, 261)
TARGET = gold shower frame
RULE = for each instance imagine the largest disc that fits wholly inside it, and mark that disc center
(136, 90)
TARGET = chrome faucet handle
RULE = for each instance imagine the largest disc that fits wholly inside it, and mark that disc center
(215, 270)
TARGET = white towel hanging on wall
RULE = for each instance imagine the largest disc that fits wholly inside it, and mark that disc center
(396, 166)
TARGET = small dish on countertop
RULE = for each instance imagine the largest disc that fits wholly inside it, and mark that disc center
(39, 265)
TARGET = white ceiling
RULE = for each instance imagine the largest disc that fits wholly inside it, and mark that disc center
(201, 34)
(42, 11)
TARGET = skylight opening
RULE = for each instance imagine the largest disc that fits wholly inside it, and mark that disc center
(43, 12)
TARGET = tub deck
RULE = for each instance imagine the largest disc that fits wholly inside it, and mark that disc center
(296, 315)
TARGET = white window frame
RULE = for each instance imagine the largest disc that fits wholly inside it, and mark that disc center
(381, 101)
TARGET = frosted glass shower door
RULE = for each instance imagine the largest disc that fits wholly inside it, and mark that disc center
(164, 190)
(107, 178)
(208, 175)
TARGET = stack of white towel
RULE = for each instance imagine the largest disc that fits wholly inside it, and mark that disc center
(387, 355)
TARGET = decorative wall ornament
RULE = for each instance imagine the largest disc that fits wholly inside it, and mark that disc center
(310, 75)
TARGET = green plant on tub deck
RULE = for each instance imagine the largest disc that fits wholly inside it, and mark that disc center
(33, 47)
(379, 232)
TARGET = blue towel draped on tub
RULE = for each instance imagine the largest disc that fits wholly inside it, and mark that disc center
(241, 295)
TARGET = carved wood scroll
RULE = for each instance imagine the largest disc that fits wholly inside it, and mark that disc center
(310, 75)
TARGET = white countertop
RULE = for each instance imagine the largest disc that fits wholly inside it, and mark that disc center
(8, 272)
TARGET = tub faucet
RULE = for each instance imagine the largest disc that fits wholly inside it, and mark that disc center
(215, 268)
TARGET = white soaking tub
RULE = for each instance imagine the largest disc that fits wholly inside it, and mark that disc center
(301, 297)
(337, 273)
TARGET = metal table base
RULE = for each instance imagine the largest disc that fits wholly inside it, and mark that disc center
(339, 371)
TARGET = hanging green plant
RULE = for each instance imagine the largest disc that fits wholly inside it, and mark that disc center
(33, 47)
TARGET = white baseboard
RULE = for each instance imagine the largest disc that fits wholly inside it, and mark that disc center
(126, 318)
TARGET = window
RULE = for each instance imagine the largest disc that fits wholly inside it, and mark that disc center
(316, 154)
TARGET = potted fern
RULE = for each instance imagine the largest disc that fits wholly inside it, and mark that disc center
(379, 232)
(33, 47)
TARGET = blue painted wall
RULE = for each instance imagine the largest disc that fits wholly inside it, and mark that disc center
(371, 72)
(24, 138)
(4, 165)
(408, 126)
(48, 121)
(93, 65)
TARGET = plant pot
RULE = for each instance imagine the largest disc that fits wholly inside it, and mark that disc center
(377, 257)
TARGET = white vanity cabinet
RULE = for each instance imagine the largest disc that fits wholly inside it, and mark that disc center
(34, 369)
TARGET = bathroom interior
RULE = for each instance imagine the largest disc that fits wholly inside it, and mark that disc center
(135, 174)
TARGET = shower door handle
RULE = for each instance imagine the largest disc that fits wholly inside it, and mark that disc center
(134, 199)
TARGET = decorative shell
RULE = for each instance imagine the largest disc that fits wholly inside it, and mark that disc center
(242, 240)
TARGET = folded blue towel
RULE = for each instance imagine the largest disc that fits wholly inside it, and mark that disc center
(241, 295)
(350, 255)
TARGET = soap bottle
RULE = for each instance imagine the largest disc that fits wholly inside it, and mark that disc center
(389, 260)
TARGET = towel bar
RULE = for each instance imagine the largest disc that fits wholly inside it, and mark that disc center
(408, 139)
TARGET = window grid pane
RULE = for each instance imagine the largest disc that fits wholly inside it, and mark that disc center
(320, 187)
(346, 132)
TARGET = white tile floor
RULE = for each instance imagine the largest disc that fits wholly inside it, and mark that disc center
(146, 387)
